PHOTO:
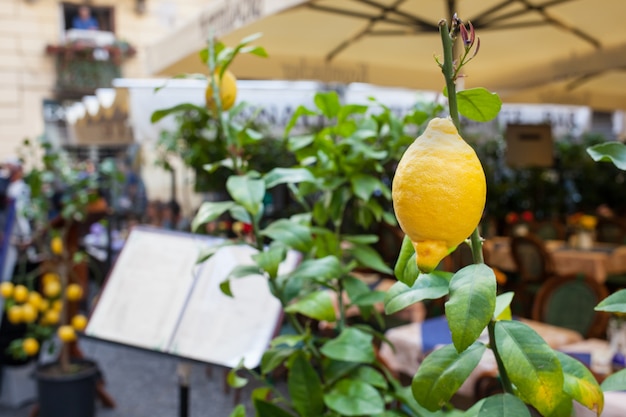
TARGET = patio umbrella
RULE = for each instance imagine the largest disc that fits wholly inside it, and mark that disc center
(550, 51)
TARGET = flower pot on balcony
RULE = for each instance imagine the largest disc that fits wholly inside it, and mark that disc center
(67, 394)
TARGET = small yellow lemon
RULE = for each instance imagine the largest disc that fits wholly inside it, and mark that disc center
(6, 289)
(50, 317)
(79, 322)
(74, 292)
(30, 346)
(438, 192)
(49, 277)
(57, 305)
(34, 299)
(44, 304)
(15, 314)
(20, 294)
(66, 333)
(29, 313)
(56, 245)
(228, 91)
(52, 289)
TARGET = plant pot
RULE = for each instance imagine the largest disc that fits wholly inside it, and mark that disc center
(67, 394)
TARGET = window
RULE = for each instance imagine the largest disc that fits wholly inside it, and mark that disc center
(103, 15)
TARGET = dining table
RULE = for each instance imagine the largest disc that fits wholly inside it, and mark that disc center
(598, 261)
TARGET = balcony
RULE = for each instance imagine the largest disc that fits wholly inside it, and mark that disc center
(86, 61)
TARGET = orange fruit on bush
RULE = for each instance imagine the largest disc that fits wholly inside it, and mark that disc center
(56, 245)
(79, 322)
(20, 294)
(30, 346)
(66, 333)
(6, 289)
(14, 314)
(74, 292)
(438, 191)
(227, 88)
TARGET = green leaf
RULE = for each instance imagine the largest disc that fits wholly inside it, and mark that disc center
(270, 259)
(267, 409)
(210, 211)
(531, 364)
(370, 376)
(160, 114)
(364, 185)
(242, 271)
(405, 269)
(615, 382)
(614, 303)
(479, 104)
(246, 191)
(290, 233)
(369, 299)
(239, 411)
(352, 345)
(287, 176)
(317, 305)
(322, 269)
(255, 50)
(471, 304)
(274, 357)
(352, 397)
(328, 103)
(234, 380)
(300, 111)
(361, 239)
(580, 384)
(225, 288)
(427, 287)
(370, 258)
(503, 302)
(503, 405)
(305, 387)
(442, 373)
(610, 151)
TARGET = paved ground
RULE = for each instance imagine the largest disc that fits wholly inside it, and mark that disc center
(145, 384)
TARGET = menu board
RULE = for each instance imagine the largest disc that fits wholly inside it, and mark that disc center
(158, 297)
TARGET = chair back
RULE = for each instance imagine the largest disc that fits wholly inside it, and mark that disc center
(532, 260)
(610, 230)
(550, 230)
(568, 301)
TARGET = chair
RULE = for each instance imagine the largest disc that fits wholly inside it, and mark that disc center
(534, 266)
(610, 230)
(550, 230)
(568, 301)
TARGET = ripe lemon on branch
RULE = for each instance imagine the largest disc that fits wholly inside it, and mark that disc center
(438, 192)
(227, 88)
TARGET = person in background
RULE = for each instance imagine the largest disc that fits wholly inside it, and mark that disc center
(84, 20)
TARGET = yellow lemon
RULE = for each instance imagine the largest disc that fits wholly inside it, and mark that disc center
(66, 333)
(20, 294)
(79, 322)
(29, 313)
(51, 317)
(57, 305)
(74, 292)
(52, 289)
(44, 304)
(438, 192)
(30, 346)
(34, 299)
(6, 289)
(14, 314)
(56, 245)
(228, 91)
(49, 277)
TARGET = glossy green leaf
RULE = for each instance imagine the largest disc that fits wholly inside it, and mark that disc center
(610, 151)
(160, 114)
(270, 259)
(405, 269)
(225, 288)
(614, 303)
(369, 299)
(235, 380)
(247, 191)
(371, 376)
(267, 409)
(328, 103)
(478, 104)
(580, 384)
(503, 405)
(210, 211)
(317, 305)
(370, 258)
(239, 411)
(352, 397)
(427, 287)
(442, 373)
(364, 186)
(242, 271)
(615, 381)
(305, 387)
(287, 176)
(290, 233)
(322, 269)
(352, 345)
(274, 357)
(471, 304)
(255, 50)
(289, 340)
(361, 239)
(531, 364)
(503, 303)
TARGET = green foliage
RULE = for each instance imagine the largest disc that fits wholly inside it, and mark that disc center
(614, 152)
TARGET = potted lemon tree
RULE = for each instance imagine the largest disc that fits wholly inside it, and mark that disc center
(48, 300)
